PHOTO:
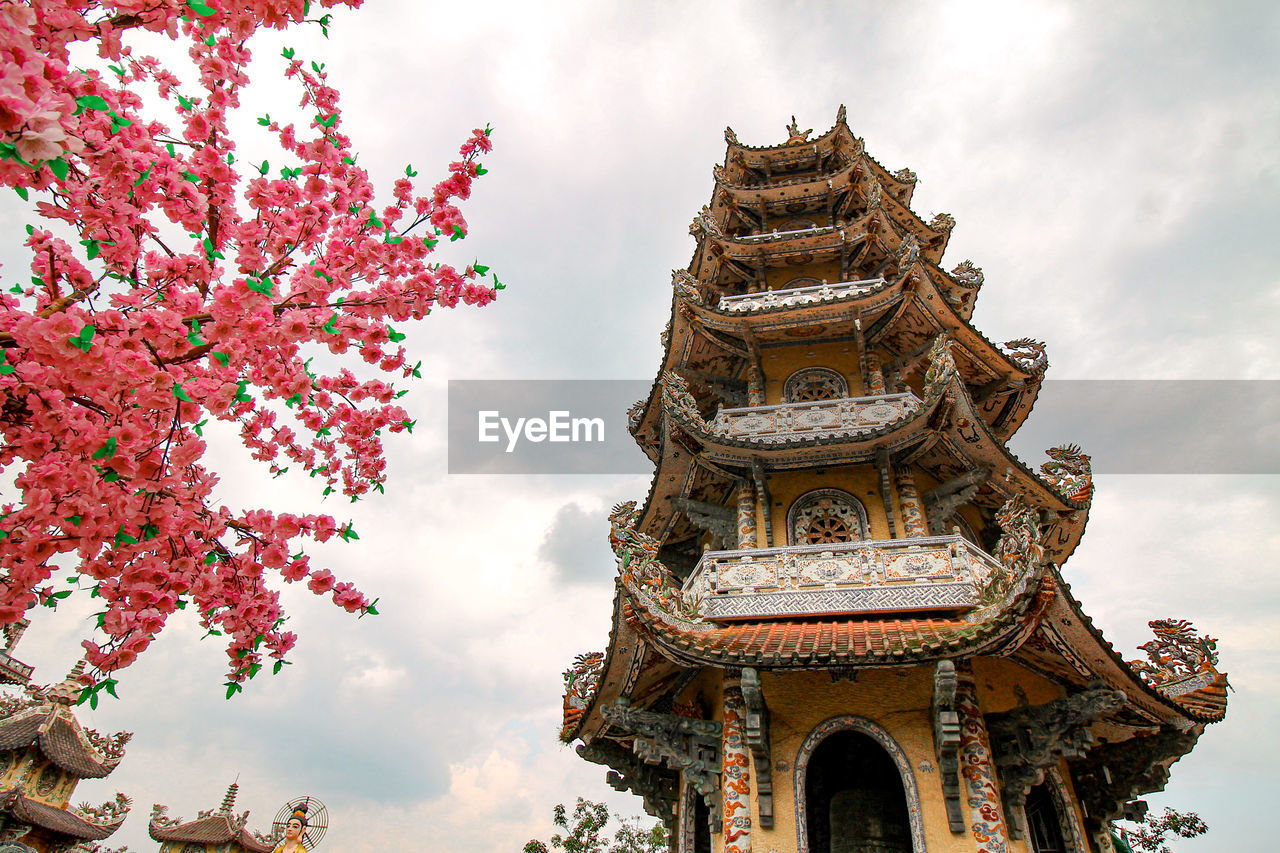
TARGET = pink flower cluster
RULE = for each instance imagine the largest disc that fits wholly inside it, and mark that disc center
(123, 346)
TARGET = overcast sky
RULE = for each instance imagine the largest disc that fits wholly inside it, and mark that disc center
(1113, 169)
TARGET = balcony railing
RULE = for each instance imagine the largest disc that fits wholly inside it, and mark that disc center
(787, 235)
(792, 297)
(842, 417)
(926, 573)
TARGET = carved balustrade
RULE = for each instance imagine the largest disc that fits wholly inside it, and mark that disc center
(845, 416)
(925, 573)
(793, 297)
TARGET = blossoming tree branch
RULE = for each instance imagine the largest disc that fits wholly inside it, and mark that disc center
(191, 285)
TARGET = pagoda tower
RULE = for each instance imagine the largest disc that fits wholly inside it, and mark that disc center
(44, 753)
(840, 623)
(218, 830)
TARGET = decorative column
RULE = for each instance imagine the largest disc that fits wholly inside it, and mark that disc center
(875, 378)
(986, 813)
(746, 515)
(735, 781)
(755, 386)
(913, 521)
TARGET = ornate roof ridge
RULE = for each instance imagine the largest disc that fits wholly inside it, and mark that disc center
(731, 138)
(210, 826)
(58, 820)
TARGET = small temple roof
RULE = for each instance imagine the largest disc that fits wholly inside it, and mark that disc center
(54, 819)
(213, 827)
(46, 721)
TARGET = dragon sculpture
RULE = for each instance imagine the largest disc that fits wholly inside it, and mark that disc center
(686, 286)
(941, 367)
(1177, 652)
(638, 561)
(1070, 472)
(905, 176)
(580, 683)
(1029, 354)
(943, 223)
(795, 134)
(1020, 549)
(109, 812)
(705, 223)
(676, 395)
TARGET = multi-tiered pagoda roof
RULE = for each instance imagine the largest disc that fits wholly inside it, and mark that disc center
(834, 492)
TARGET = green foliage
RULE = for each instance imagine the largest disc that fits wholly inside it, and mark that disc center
(1149, 836)
(584, 832)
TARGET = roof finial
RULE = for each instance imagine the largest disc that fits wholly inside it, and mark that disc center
(229, 801)
(795, 134)
(68, 690)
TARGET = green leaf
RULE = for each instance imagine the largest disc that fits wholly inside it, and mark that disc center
(59, 168)
(481, 170)
(210, 558)
(222, 358)
(193, 337)
(117, 69)
(144, 175)
(22, 193)
(410, 172)
(110, 686)
(287, 53)
(409, 425)
(394, 336)
(348, 532)
(487, 129)
(200, 8)
(199, 428)
(417, 371)
(295, 400)
(329, 326)
(106, 451)
(118, 122)
(327, 122)
(5, 367)
(75, 520)
(84, 340)
(265, 167)
(168, 146)
(317, 67)
(458, 234)
(210, 41)
(150, 531)
(480, 269)
(497, 285)
(241, 395)
(233, 688)
(180, 393)
(90, 102)
(109, 475)
(122, 538)
(393, 239)
(429, 243)
(191, 176)
(263, 287)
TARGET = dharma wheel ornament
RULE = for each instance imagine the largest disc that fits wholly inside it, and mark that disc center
(314, 817)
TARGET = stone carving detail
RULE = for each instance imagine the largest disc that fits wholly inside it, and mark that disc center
(688, 746)
(109, 812)
(638, 561)
(658, 787)
(635, 413)
(686, 286)
(735, 782)
(814, 383)
(794, 297)
(942, 367)
(1029, 354)
(1114, 774)
(676, 395)
(11, 704)
(908, 251)
(1028, 740)
(1020, 550)
(757, 732)
(1178, 654)
(905, 175)
(160, 816)
(1070, 472)
(826, 516)
(720, 521)
(941, 503)
(705, 224)
(730, 137)
(845, 417)
(580, 683)
(110, 746)
(968, 274)
(987, 824)
(946, 740)
(795, 134)
(942, 223)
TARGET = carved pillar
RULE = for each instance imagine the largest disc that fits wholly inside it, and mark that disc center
(746, 515)
(986, 819)
(913, 523)
(735, 781)
(946, 740)
(755, 386)
(875, 378)
(757, 734)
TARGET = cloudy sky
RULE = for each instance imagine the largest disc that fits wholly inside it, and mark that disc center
(1113, 169)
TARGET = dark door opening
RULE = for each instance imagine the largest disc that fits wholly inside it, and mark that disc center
(1042, 822)
(854, 798)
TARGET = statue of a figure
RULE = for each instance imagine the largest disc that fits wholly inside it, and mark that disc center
(293, 830)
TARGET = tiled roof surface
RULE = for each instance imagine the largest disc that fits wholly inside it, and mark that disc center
(1208, 703)
(61, 740)
(21, 729)
(54, 819)
(215, 829)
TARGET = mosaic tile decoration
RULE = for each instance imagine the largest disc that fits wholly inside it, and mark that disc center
(979, 774)
(880, 736)
(735, 781)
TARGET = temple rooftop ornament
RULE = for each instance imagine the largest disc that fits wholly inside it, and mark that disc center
(219, 829)
(44, 753)
(840, 623)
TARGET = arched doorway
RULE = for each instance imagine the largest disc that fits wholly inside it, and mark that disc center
(855, 792)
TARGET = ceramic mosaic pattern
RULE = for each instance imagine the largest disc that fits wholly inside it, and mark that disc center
(746, 516)
(794, 297)
(735, 776)
(1068, 819)
(979, 775)
(912, 510)
(880, 736)
(848, 416)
